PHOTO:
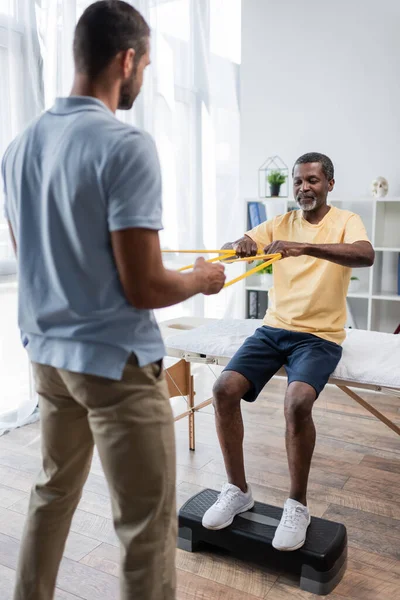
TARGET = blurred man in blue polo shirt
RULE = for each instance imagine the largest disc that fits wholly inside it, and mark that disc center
(83, 201)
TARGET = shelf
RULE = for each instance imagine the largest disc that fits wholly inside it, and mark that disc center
(383, 249)
(388, 296)
(363, 199)
(257, 288)
(358, 295)
(387, 199)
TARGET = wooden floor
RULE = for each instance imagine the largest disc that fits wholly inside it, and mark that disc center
(355, 479)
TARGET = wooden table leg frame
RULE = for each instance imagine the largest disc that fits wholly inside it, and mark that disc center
(180, 383)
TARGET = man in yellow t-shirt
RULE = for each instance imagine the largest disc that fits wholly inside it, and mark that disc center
(302, 331)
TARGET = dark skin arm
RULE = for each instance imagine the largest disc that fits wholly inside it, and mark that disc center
(243, 247)
(146, 283)
(358, 254)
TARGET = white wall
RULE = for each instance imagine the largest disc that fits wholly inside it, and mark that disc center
(322, 76)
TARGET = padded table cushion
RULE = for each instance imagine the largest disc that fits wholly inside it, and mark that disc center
(369, 357)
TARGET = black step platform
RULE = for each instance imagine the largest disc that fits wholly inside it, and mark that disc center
(320, 563)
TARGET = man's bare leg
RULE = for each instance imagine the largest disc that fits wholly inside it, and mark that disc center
(228, 391)
(300, 437)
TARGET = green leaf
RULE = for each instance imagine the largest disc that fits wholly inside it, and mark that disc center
(276, 177)
(267, 269)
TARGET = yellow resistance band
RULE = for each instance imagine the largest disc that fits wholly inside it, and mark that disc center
(225, 254)
(230, 251)
(252, 271)
(230, 261)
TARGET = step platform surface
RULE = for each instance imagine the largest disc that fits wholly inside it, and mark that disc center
(320, 563)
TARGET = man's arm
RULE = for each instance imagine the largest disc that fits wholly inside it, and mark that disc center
(253, 241)
(132, 180)
(243, 247)
(357, 254)
(146, 283)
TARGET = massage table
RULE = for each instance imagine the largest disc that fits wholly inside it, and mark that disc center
(370, 361)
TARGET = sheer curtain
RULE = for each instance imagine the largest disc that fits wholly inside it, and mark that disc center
(189, 103)
(195, 119)
(21, 98)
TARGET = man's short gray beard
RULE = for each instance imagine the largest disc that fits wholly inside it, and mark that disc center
(308, 207)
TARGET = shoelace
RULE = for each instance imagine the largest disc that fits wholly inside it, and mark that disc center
(291, 516)
(226, 497)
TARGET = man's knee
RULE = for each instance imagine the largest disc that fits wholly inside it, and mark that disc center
(299, 402)
(227, 392)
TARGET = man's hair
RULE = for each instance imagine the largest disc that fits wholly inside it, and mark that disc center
(316, 157)
(104, 29)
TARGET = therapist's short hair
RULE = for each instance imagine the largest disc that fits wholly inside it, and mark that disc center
(106, 28)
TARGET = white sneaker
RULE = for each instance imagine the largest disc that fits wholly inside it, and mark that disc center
(231, 501)
(292, 529)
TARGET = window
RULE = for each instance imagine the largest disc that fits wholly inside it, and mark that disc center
(18, 104)
(7, 7)
(197, 125)
(225, 29)
(11, 106)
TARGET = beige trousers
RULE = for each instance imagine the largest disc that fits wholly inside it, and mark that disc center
(131, 423)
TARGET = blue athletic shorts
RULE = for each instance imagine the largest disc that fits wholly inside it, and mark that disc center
(304, 356)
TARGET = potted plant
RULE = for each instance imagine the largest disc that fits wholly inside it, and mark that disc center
(275, 180)
(266, 276)
(354, 285)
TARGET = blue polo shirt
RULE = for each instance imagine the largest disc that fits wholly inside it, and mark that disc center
(76, 174)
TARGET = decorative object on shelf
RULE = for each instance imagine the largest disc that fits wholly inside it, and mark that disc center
(265, 276)
(354, 285)
(379, 187)
(273, 178)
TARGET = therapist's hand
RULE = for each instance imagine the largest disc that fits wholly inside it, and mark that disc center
(212, 276)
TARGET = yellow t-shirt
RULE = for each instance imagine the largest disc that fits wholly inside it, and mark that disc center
(309, 294)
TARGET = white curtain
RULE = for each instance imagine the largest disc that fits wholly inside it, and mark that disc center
(190, 103)
(195, 121)
(21, 98)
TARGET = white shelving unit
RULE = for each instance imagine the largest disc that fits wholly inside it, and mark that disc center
(376, 304)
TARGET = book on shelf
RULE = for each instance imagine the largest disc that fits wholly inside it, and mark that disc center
(257, 214)
(252, 301)
(257, 304)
